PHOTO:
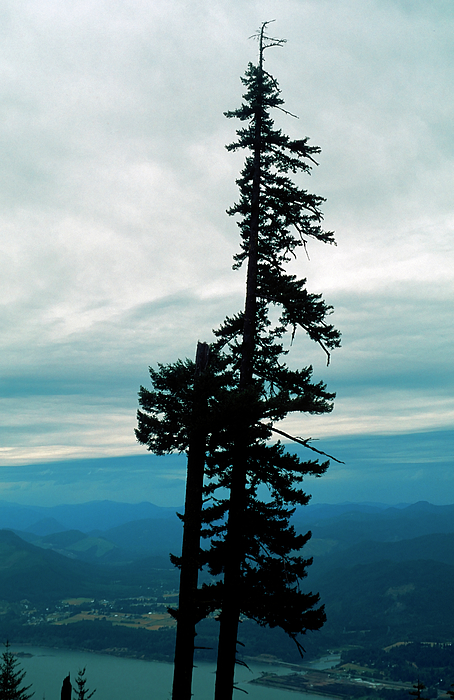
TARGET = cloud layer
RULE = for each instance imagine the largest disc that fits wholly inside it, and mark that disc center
(115, 246)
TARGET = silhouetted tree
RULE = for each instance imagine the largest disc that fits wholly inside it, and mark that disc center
(177, 416)
(11, 678)
(187, 614)
(417, 692)
(247, 387)
(66, 688)
(82, 692)
(276, 218)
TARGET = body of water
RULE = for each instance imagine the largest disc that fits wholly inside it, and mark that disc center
(325, 662)
(130, 679)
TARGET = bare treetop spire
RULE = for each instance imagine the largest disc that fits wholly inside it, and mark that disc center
(266, 42)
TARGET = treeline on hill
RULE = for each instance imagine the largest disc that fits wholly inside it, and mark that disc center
(382, 603)
(94, 635)
(103, 635)
(374, 693)
(376, 593)
(431, 663)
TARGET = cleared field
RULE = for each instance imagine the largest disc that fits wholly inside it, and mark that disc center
(151, 621)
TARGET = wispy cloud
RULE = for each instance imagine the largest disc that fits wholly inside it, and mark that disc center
(129, 479)
(115, 246)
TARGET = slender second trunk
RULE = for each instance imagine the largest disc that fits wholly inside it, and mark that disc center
(190, 559)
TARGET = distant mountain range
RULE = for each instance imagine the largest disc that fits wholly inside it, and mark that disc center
(342, 534)
(37, 574)
(94, 515)
(387, 524)
(384, 573)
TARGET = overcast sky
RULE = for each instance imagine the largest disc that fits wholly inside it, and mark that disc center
(115, 249)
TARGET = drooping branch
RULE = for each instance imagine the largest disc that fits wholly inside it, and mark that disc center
(317, 340)
(299, 646)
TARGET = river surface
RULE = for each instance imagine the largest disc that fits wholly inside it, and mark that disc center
(117, 678)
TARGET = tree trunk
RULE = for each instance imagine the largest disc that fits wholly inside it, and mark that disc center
(66, 689)
(187, 606)
(230, 615)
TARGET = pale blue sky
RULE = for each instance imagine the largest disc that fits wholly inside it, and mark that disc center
(116, 250)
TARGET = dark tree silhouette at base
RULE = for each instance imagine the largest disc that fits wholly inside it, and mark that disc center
(82, 692)
(11, 678)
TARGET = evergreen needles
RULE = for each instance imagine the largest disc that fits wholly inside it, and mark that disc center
(222, 411)
(12, 677)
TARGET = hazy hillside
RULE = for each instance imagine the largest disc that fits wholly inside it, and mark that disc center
(385, 602)
(387, 574)
(384, 573)
(335, 529)
(79, 545)
(95, 515)
(314, 513)
(147, 537)
(386, 525)
(434, 547)
(38, 574)
(29, 572)
(45, 526)
(151, 537)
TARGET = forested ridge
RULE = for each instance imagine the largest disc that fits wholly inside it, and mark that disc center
(376, 593)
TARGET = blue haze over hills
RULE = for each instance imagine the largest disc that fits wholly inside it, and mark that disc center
(390, 469)
(384, 569)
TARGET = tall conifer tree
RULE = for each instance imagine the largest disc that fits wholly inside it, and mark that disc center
(276, 218)
(247, 387)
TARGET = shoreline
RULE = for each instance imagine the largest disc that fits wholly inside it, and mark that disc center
(124, 653)
(267, 678)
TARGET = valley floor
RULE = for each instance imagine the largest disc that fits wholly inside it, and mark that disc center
(337, 682)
